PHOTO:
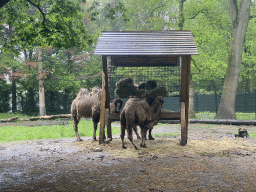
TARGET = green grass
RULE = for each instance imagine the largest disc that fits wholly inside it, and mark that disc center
(239, 116)
(18, 133)
(10, 115)
(253, 135)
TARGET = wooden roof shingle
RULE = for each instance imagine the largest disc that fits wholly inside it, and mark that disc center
(146, 43)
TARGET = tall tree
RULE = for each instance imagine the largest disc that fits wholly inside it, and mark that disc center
(240, 15)
(41, 82)
(56, 23)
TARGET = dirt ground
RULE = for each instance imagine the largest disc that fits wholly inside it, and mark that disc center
(213, 160)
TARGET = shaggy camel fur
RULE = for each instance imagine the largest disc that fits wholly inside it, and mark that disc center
(87, 105)
(138, 112)
(149, 85)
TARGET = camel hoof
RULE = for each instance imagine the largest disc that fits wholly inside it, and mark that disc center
(143, 146)
(124, 147)
(94, 139)
(79, 140)
(151, 138)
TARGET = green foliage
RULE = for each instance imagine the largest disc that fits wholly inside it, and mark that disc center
(253, 135)
(57, 23)
(247, 81)
(131, 15)
(209, 22)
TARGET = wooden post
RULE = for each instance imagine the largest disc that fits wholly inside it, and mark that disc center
(104, 99)
(109, 129)
(184, 98)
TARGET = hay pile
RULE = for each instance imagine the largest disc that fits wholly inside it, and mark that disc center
(126, 88)
(171, 146)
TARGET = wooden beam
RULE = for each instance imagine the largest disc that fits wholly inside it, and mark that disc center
(109, 129)
(184, 98)
(103, 99)
(165, 115)
(149, 61)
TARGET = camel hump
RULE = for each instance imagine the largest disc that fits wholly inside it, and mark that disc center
(96, 90)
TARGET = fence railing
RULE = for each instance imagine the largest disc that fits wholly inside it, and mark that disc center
(206, 106)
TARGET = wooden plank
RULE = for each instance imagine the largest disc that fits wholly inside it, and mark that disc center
(136, 61)
(170, 115)
(109, 130)
(146, 43)
(184, 98)
(165, 115)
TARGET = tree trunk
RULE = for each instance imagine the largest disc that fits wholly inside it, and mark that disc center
(181, 15)
(191, 112)
(41, 83)
(14, 97)
(239, 23)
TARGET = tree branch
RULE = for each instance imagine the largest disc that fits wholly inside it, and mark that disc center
(44, 19)
(195, 65)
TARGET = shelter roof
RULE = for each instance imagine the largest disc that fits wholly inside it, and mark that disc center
(146, 43)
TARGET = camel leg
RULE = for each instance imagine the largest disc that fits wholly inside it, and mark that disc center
(143, 135)
(136, 132)
(129, 130)
(94, 131)
(76, 121)
(122, 136)
(150, 134)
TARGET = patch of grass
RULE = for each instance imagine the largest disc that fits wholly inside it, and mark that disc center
(10, 115)
(245, 116)
(18, 133)
(253, 135)
(239, 115)
(205, 115)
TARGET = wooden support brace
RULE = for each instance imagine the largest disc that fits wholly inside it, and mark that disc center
(109, 129)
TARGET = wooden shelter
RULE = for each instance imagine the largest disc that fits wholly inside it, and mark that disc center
(149, 48)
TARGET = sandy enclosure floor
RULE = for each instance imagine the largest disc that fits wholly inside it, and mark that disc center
(213, 160)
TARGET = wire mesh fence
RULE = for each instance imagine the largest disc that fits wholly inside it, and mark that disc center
(168, 76)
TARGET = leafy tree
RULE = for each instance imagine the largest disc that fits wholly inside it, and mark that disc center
(12, 69)
(247, 80)
(57, 23)
(210, 24)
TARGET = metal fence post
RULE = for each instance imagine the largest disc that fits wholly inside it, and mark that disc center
(216, 102)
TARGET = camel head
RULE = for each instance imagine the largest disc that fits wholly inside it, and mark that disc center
(118, 105)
